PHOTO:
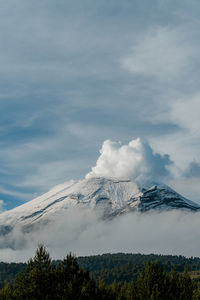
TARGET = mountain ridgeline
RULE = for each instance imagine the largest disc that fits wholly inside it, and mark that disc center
(112, 197)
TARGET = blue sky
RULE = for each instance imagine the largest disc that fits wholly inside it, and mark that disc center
(75, 73)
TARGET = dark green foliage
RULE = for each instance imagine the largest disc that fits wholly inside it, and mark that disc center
(120, 267)
(73, 282)
(46, 280)
(156, 284)
(125, 267)
(196, 294)
(37, 279)
(6, 293)
(8, 271)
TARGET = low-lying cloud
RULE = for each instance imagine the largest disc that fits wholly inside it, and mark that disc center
(135, 161)
(82, 232)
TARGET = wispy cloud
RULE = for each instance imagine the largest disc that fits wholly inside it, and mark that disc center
(73, 75)
(2, 205)
(163, 53)
(15, 193)
(193, 170)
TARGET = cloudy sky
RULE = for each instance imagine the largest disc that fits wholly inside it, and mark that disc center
(76, 73)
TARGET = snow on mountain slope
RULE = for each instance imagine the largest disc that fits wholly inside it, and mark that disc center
(94, 192)
(111, 196)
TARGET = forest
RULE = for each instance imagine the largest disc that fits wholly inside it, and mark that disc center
(43, 278)
(118, 267)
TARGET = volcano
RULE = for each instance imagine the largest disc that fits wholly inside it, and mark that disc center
(111, 197)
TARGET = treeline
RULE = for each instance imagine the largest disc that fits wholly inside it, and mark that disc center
(125, 267)
(45, 279)
(8, 271)
(120, 267)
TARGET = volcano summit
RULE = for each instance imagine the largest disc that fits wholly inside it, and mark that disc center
(111, 197)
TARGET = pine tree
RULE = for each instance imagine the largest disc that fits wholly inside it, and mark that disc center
(174, 285)
(6, 292)
(187, 286)
(196, 294)
(37, 282)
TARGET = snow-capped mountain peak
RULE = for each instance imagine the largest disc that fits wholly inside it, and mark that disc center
(111, 196)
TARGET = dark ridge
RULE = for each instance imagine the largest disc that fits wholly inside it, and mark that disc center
(42, 210)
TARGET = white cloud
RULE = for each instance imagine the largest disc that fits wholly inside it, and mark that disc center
(185, 112)
(182, 110)
(182, 144)
(14, 193)
(159, 53)
(2, 204)
(85, 234)
(193, 170)
(135, 160)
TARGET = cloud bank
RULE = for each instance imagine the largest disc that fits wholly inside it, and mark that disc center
(135, 161)
(83, 233)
